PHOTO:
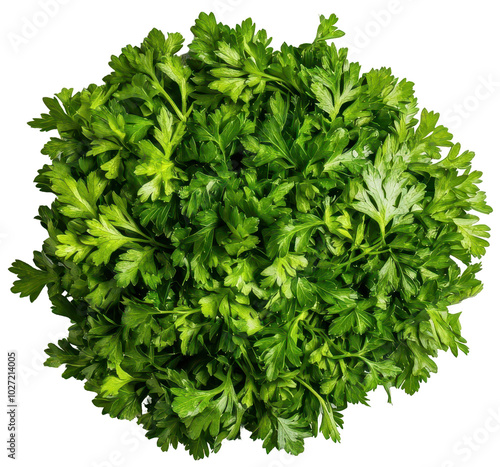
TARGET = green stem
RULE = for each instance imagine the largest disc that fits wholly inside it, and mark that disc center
(368, 252)
(166, 312)
(183, 312)
(311, 389)
(327, 410)
(336, 347)
(147, 239)
(382, 231)
(165, 94)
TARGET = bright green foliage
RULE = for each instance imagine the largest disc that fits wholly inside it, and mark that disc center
(251, 238)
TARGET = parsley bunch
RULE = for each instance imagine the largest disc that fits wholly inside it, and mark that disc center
(251, 238)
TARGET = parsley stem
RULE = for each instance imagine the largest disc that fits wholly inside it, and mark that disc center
(154, 242)
(382, 232)
(308, 386)
(176, 311)
(368, 252)
(335, 346)
(189, 111)
(327, 410)
(165, 94)
(147, 239)
(247, 359)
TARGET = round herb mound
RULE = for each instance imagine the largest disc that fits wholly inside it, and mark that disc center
(251, 238)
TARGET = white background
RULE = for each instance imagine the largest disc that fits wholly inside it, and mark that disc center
(449, 48)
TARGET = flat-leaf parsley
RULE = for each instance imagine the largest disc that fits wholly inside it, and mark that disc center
(251, 238)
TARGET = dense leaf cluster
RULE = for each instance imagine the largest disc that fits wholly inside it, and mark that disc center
(251, 238)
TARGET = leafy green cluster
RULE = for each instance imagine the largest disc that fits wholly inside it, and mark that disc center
(251, 238)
